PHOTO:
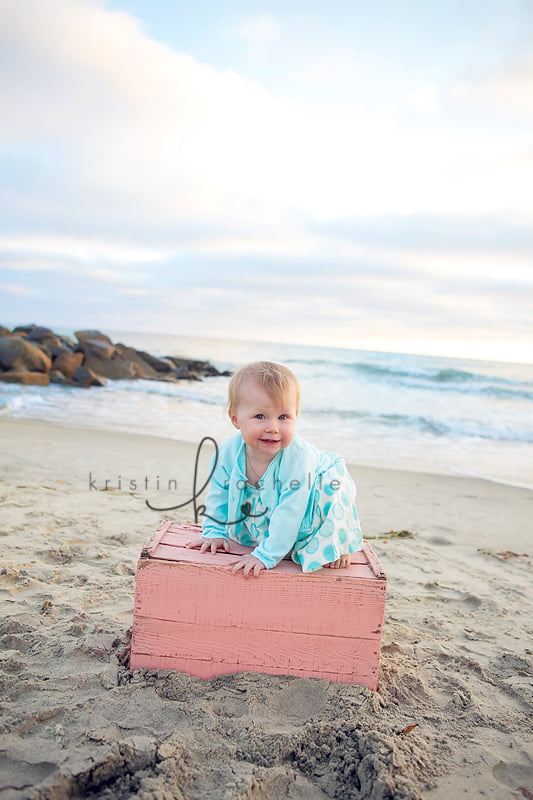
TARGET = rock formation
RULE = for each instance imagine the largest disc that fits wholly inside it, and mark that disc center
(32, 354)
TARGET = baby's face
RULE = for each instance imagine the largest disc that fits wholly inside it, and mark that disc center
(266, 423)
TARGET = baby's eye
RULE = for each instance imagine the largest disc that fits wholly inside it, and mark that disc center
(284, 416)
(259, 416)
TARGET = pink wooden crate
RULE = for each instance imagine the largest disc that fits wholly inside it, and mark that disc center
(193, 615)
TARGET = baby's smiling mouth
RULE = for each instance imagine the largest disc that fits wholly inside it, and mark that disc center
(270, 441)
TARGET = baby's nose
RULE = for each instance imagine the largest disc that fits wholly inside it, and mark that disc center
(272, 425)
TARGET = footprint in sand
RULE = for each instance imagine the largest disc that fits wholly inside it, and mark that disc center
(442, 541)
(226, 704)
(514, 774)
(20, 774)
(301, 699)
(446, 594)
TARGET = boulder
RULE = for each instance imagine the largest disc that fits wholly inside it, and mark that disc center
(95, 336)
(26, 376)
(184, 373)
(46, 343)
(193, 369)
(4, 331)
(82, 376)
(23, 330)
(149, 367)
(18, 352)
(97, 348)
(66, 341)
(59, 349)
(158, 364)
(114, 368)
(58, 377)
(67, 363)
(37, 333)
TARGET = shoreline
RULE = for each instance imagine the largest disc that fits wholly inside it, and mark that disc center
(389, 411)
(456, 662)
(408, 499)
(353, 465)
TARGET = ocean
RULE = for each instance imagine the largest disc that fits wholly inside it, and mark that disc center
(443, 415)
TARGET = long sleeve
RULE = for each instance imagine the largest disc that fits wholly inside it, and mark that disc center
(291, 502)
(225, 489)
(216, 504)
(284, 526)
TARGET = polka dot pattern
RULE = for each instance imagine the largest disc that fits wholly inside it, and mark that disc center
(327, 528)
(313, 546)
(335, 525)
(331, 522)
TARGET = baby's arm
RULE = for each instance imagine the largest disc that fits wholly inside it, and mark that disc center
(215, 512)
(283, 528)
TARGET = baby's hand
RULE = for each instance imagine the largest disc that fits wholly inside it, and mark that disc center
(204, 543)
(250, 565)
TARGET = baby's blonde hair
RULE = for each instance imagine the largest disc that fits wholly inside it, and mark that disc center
(275, 379)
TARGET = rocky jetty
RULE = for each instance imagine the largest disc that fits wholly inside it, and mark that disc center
(35, 355)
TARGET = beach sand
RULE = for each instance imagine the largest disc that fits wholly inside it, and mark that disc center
(456, 657)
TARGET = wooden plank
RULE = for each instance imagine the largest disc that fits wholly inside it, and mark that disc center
(237, 649)
(374, 562)
(155, 538)
(172, 553)
(178, 536)
(210, 669)
(204, 594)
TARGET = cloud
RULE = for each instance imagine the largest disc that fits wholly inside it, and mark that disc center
(424, 100)
(124, 134)
(333, 68)
(503, 91)
(266, 293)
(450, 233)
(140, 127)
(38, 251)
(259, 32)
(17, 289)
(198, 200)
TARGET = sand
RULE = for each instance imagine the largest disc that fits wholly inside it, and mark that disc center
(456, 656)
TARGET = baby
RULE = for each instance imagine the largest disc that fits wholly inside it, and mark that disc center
(271, 489)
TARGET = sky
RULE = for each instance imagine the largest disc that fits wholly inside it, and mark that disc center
(346, 173)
